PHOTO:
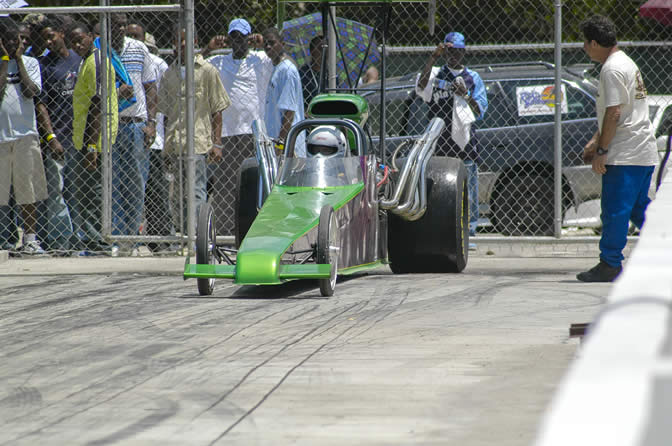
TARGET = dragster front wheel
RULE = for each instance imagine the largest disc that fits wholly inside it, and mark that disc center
(206, 238)
(328, 248)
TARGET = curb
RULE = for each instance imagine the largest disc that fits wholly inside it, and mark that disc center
(542, 247)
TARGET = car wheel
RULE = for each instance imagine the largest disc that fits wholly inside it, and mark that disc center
(205, 246)
(439, 240)
(245, 208)
(328, 248)
(525, 206)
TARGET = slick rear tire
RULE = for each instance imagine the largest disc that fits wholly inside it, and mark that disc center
(245, 208)
(438, 242)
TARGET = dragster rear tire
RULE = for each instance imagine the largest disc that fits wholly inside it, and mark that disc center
(245, 208)
(438, 242)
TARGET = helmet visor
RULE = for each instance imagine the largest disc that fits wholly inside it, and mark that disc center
(320, 150)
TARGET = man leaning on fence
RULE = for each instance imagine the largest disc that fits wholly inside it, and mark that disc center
(87, 134)
(137, 129)
(21, 166)
(59, 214)
(456, 94)
(157, 192)
(210, 99)
(623, 150)
(245, 74)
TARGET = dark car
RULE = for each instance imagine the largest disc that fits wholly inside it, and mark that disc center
(516, 185)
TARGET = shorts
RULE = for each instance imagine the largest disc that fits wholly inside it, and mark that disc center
(21, 167)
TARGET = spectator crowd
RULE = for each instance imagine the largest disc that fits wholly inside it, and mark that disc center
(51, 86)
(53, 79)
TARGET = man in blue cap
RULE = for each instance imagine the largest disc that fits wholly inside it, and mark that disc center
(245, 74)
(453, 90)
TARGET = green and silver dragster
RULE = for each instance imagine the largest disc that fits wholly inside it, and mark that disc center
(340, 209)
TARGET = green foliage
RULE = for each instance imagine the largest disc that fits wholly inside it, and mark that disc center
(482, 21)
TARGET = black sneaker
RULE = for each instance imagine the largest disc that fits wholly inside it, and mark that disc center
(602, 272)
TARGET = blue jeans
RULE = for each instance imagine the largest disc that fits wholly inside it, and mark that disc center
(130, 169)
(71, 182)
(200, 186)
(472, 185)
(89, 196)
(157, 198)
(54, 223)
(625, 196)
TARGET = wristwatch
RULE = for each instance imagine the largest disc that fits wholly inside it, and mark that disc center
(601, 151)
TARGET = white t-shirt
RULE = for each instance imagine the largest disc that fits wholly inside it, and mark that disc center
(246, 82)
(138, 63)
(17, 113)
(634, 143)
(160, 66)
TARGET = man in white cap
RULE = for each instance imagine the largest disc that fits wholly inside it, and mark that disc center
(245, 74)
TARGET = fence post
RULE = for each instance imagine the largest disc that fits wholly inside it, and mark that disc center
(191, 169)
(332, 47)
(106, 155)
(557, 129)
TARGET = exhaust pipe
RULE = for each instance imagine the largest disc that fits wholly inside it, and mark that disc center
(268, 162)
(415, 189)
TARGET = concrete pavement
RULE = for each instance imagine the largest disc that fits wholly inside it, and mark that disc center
(122, 350)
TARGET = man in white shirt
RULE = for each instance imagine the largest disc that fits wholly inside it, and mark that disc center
(137, 130)
(21, 166)
(245, 74)
(623, 150)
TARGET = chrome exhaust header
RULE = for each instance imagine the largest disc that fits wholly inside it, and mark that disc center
(412, 184)
(268, 162)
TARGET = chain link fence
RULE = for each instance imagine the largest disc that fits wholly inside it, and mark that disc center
(84, 174)
(134, 199)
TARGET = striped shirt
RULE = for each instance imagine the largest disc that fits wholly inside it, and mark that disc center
(137, 60)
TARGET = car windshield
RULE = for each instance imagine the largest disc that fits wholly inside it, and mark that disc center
(321, 172)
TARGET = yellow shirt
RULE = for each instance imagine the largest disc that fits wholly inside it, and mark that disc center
(86, 88)
(210, 98)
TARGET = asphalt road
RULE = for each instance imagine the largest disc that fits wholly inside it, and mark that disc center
(95, 354)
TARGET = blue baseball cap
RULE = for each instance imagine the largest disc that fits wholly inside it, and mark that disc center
(457, 39)
(240, 25)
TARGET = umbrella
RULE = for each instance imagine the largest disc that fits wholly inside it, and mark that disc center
(659, 10)
(353, 37)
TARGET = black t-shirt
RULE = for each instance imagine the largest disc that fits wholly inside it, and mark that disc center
(441, 105)
(59, 76)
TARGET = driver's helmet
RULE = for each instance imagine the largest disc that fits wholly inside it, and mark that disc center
(326, 141)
